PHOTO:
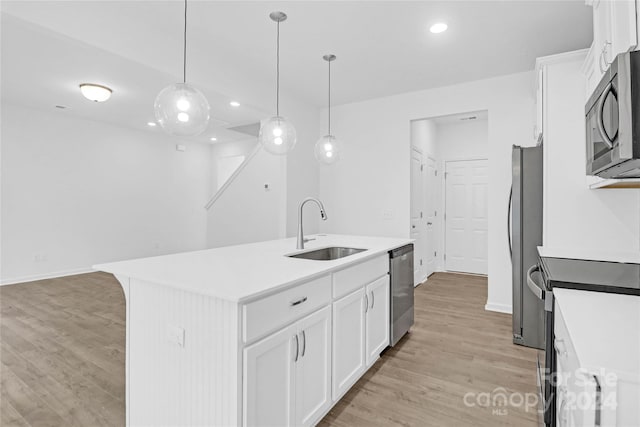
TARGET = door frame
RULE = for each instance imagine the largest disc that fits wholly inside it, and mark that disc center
(444, 203)
(436, 207)
(422, 198)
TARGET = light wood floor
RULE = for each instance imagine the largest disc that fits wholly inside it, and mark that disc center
(62, 359)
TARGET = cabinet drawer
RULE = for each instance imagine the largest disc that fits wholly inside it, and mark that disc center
(268, 314)
(350, 279)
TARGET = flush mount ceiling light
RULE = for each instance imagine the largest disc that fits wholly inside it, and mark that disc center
(180, 108)
(328, 148)
(234, 103)
(151, 124)
(439, 27)
(213, 138)
(95, 92)
(277, 135)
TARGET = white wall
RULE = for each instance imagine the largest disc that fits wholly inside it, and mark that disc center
(373, 175)
(77, 192)
(577, 219)
(247, 212)
(463, 140)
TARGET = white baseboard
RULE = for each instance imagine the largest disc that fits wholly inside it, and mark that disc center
(500, 308)
(33, 278)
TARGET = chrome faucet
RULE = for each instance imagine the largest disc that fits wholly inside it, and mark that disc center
(323, 215)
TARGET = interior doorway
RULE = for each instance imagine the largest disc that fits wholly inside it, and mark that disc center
(460, 244)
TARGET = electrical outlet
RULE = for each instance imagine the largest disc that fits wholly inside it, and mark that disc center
(387, 214)
(175, 335)
(40, 257)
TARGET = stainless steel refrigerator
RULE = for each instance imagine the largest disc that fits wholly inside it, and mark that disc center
(525, 235)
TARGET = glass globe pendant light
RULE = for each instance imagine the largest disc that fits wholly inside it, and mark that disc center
(277, 134)
(180, 108)
(328, 148)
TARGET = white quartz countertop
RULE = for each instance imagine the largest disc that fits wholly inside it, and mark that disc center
(244, 272)
(589, 254)
(604, 329)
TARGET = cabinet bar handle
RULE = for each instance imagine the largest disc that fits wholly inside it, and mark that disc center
(300, 301)
(297, 348)
(304, 344)
(598, 402)
(373, 300)
(366, 303)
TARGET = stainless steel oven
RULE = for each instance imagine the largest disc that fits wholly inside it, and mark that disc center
(612, 116)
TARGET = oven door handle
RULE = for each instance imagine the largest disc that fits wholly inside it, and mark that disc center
(537, 290)
(599, 109)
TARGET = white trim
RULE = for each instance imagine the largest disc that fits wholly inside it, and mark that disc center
(500, 308)
(25, 279)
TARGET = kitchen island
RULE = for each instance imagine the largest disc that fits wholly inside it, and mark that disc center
(248, 335)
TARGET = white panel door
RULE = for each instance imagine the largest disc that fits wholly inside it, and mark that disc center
(313, 369)
(348, 341)
(431, 203)
(377, 315)
(417, 207)
(268, 381)
(466, 223)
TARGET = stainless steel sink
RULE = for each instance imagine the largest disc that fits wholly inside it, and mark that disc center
(328, 254)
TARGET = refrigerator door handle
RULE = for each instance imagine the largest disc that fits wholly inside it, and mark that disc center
(509, 223)
(537, 290)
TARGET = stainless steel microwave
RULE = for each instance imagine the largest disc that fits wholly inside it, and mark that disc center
(613, 121)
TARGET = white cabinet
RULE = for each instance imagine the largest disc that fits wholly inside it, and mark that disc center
(287, 374)
(377, 318)
(348, 341)
(598, 376)
(313, 368)
(615, 30)
(538, 130)
(329, 331)
(360, 332)
(269, 380)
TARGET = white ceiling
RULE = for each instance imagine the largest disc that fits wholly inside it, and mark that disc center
(383, 47)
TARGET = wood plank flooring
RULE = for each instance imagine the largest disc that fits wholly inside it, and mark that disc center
(62, 359)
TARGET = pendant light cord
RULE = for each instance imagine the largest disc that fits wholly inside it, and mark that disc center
(329, 97)
(278, 69)
(184, 47)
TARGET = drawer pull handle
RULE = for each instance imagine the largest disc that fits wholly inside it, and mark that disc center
(557, 344)
(300, 301)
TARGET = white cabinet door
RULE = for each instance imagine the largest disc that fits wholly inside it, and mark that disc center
(624, 32)
(348, 341)
(313, 368)
(268, 381)
(377, 323)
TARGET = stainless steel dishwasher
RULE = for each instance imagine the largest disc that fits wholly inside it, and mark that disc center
(401, 271)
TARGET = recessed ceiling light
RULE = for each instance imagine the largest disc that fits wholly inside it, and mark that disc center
(95, 92)
(152, 124)
(234, 103)
(213, 138)
(439, 27)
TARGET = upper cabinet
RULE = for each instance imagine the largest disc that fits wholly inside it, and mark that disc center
(615, 30)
